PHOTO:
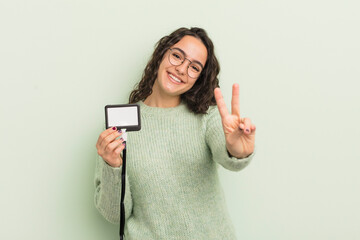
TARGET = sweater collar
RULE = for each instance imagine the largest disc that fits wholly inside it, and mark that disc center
(147, 110)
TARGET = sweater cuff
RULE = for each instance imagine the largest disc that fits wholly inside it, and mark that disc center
(231, 156)
(236, 164)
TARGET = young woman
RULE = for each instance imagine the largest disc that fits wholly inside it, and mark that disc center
(172, 185)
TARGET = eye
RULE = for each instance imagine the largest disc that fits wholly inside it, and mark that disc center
(195, 68)
(176, 55)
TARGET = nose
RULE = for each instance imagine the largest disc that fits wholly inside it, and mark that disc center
(182, 68)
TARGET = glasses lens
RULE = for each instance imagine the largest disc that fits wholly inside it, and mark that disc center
(194, 70)
(176, 57)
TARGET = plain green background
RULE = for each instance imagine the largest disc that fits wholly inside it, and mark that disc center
(297, 64)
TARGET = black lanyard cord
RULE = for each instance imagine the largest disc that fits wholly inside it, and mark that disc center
(122, 206)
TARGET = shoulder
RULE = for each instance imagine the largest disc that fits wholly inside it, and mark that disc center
(213, 111)
(212, 115)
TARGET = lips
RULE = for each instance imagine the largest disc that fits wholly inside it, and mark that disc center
(173, 78)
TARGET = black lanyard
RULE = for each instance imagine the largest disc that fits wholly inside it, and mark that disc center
(122, 206)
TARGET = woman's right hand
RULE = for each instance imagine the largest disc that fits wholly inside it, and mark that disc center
(109, 148)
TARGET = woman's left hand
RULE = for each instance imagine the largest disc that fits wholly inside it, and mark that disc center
(239, 132)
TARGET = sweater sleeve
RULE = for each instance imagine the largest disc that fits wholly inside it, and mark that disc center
(215, 139)
(108, 192)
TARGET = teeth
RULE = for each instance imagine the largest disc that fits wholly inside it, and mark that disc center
(175, 78)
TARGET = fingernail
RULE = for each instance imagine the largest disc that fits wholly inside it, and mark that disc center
(123, 143)
(121, 139)
(114, 128)
(119, 130)
(247, 130)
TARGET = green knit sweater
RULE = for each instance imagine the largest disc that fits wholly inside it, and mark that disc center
(172, 185)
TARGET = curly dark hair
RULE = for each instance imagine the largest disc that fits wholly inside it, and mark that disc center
(201, 95)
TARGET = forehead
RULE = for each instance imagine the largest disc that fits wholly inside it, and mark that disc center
(194, 49)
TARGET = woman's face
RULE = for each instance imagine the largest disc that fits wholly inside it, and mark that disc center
(174, 80)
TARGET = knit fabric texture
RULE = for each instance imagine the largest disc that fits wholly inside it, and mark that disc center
(173, 190)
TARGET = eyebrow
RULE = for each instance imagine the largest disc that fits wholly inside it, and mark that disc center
(195, 61)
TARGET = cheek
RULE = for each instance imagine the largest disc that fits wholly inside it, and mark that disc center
(161, 71)
(164, 62)
(191, 83)
(163, 68)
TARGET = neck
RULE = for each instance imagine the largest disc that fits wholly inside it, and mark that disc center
(162, 102)
(160, 99)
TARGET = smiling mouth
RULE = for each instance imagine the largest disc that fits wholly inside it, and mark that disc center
(174, 79)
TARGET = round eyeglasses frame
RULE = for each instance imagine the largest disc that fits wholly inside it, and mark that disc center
(175, 64)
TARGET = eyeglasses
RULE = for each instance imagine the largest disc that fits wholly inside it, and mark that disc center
(177, 57)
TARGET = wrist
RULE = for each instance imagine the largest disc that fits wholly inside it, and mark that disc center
(237, 156)
(112, 165)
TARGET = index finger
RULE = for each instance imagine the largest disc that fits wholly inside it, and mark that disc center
(235, 105)
(220, 103)
(104, 134)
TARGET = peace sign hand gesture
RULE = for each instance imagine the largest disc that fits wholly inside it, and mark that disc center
(239, 132)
